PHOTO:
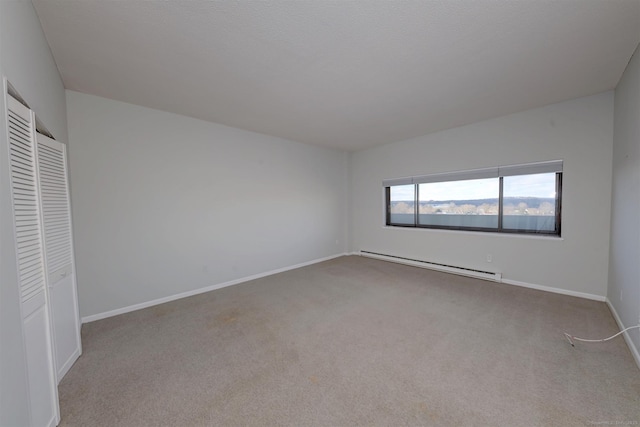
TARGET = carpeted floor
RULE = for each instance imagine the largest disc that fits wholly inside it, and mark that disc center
(355, 341)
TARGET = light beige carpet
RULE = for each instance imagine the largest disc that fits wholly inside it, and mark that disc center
(355, 341)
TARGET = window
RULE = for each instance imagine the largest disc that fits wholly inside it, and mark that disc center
(402, 209)
(469, 203)
(507, 199)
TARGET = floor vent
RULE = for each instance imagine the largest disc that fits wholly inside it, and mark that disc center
(463, 271)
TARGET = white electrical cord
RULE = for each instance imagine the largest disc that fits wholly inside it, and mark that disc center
(570, 338)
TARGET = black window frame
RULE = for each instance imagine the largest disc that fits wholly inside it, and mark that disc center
(500, 229)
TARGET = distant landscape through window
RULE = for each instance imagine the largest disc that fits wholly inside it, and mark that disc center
(514, 203)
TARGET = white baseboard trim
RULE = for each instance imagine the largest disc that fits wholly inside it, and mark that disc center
(555, 290)
(116, 312)
(634, 350)
(530, 285)
(68, 364)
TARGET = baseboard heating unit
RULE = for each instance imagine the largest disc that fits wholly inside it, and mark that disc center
(463, 271)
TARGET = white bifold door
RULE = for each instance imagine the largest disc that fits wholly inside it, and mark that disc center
(34, 305)
(58, 251)
(46, 271)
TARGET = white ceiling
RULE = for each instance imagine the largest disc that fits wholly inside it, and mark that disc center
(342, 74)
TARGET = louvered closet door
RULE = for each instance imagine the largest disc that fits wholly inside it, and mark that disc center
(43, 395)
(56, 214)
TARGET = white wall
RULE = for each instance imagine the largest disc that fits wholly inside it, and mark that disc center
(624, 272)
(25, 60)
(580, 132)
(164, 204)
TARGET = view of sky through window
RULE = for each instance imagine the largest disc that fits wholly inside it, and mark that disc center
(538, 185)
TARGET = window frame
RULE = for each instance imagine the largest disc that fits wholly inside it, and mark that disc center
(499, 229)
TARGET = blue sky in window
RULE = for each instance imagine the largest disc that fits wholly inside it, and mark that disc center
(538, 185)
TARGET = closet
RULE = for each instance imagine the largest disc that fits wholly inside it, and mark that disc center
(44, 252)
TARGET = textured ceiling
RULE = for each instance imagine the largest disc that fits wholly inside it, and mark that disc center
(342, 74)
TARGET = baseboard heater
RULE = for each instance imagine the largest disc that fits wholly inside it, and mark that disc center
(463, 271)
